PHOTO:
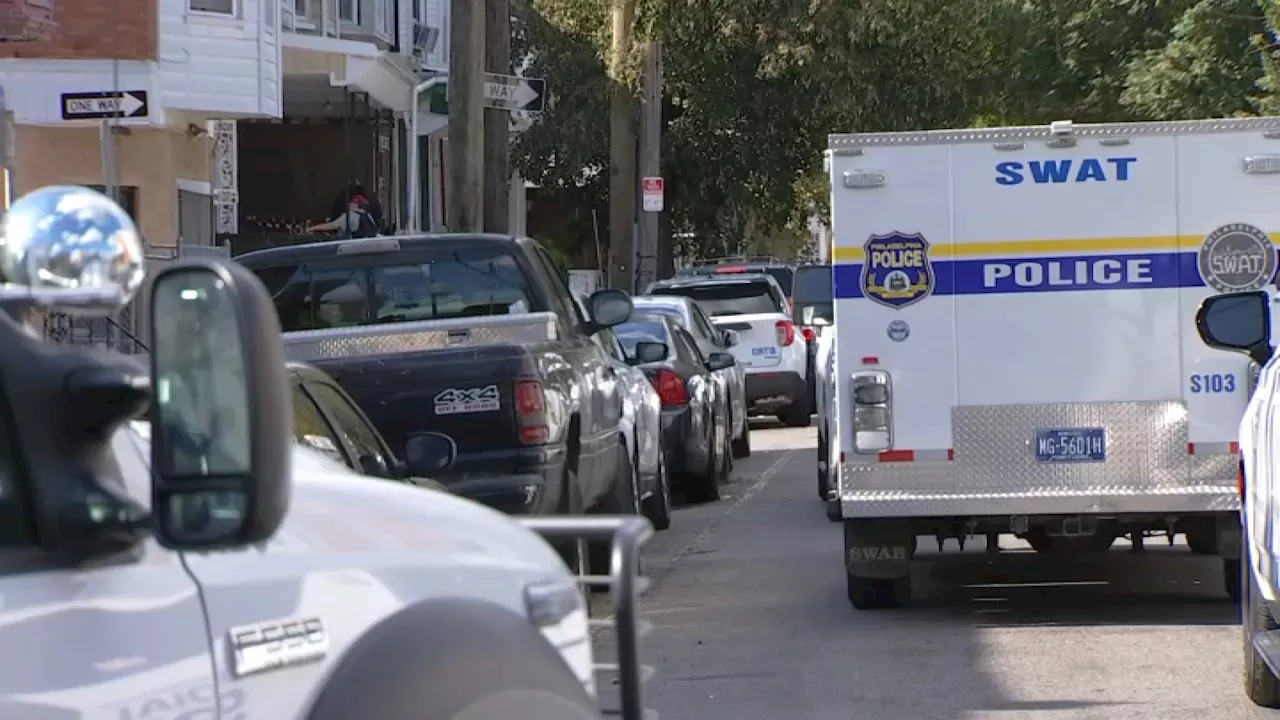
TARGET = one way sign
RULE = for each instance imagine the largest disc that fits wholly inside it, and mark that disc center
(509, 92)
(101, 105)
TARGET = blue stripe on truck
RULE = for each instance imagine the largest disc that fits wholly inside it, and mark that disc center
(988, 276)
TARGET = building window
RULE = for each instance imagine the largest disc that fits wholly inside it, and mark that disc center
(349, 11)
(216, 7)
(302, 9)
(416, 7)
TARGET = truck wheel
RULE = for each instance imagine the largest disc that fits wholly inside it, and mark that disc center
(822, 474)
(1232, 577)
(1260, 684)
(878, 593)
(833, 510)
(657, 507)
(420, 664)
(796, 414)
(1203, 542)
(620, 500)
(742, 443)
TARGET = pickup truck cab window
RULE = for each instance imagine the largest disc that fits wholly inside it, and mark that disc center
(561, 297)
(398, 287)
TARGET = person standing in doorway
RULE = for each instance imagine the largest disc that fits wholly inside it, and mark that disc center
(343, 198)
(355, 222)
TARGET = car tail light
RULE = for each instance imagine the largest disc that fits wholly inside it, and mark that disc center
(671, 389)
(786, 331)
(531, 412)
(810, 335)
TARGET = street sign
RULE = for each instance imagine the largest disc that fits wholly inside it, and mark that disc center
(509, 92)
(651, 194)
(102, 105)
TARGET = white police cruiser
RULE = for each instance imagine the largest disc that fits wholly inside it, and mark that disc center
(1015, 352)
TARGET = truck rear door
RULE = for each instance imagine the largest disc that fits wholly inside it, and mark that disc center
(1065, 266)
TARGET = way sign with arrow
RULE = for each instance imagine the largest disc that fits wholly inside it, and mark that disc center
(102, 105)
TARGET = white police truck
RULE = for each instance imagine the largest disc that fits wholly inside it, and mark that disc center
(1016, 351)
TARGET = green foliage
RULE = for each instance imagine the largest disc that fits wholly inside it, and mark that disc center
(753, 87)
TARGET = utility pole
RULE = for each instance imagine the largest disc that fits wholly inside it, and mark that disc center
(622, 152)
(466, 119)
(650, 162)
(497, 123)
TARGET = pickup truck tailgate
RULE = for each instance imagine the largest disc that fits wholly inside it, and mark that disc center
(455, 377)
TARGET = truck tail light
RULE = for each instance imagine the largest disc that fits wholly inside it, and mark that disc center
(531, 412)
(786, 332)
(810, 335)
(872, 411)
(671, 389)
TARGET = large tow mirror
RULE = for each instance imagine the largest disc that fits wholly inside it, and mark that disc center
(609, 307)
(426, 454)
(1239, 322)
(221, 412)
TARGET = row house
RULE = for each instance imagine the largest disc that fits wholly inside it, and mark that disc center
(204, 112)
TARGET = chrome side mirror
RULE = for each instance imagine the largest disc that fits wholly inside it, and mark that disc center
(72, 248)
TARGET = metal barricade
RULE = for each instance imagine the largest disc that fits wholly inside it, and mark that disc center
(626, 534)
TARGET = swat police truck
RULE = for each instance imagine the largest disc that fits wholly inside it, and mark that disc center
(1016, 351)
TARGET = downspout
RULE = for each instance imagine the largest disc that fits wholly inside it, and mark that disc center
(415, 169)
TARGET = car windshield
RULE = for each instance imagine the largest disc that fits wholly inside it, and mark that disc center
(450, 283)
(745, 298)
(780, 273)
(638, 330)
(664, 310)
(813, 293)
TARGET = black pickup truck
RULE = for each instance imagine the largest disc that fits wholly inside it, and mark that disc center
(475, 337)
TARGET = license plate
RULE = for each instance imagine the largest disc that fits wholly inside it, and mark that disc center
(1071, 445)
(764, 351)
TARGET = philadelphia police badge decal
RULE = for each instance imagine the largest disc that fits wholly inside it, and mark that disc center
(896, 271)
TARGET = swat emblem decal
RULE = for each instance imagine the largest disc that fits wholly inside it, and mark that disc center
(1237, 258)
(896, 271)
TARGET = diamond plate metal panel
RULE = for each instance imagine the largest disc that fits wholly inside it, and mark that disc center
(312, 345)
(840, 141)
(1148, 469)
(1146, 447)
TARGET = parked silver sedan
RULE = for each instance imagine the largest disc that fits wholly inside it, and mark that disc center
(710, 339)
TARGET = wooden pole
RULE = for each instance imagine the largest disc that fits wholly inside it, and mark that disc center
(622, 152)
(497, 123)
(466, 119)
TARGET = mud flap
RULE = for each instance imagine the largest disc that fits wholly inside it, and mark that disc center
(1229, 537)
(878, 548)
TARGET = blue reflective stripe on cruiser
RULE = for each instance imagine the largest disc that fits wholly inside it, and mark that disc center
(1080, 273)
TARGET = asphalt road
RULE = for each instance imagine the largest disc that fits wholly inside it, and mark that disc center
(752, 623)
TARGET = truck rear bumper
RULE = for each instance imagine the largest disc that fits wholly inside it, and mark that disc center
(770, 391)
(1149, 467)
(533, 490)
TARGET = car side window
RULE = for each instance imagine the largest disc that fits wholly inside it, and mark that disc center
(312, 430)
(351, 424)
(558, 288)
(682, 337)
(705, 327)
(608, 340)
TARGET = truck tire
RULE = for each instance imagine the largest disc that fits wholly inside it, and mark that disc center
(657, 507)
(1203, 542)
(452, 659)
(1260, 684)
(878, 593)
(620, 500)
(742, 443)
(823, 474)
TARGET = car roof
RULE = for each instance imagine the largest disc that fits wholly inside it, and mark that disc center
(292, 254)
(641, 301)
(726, 279)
